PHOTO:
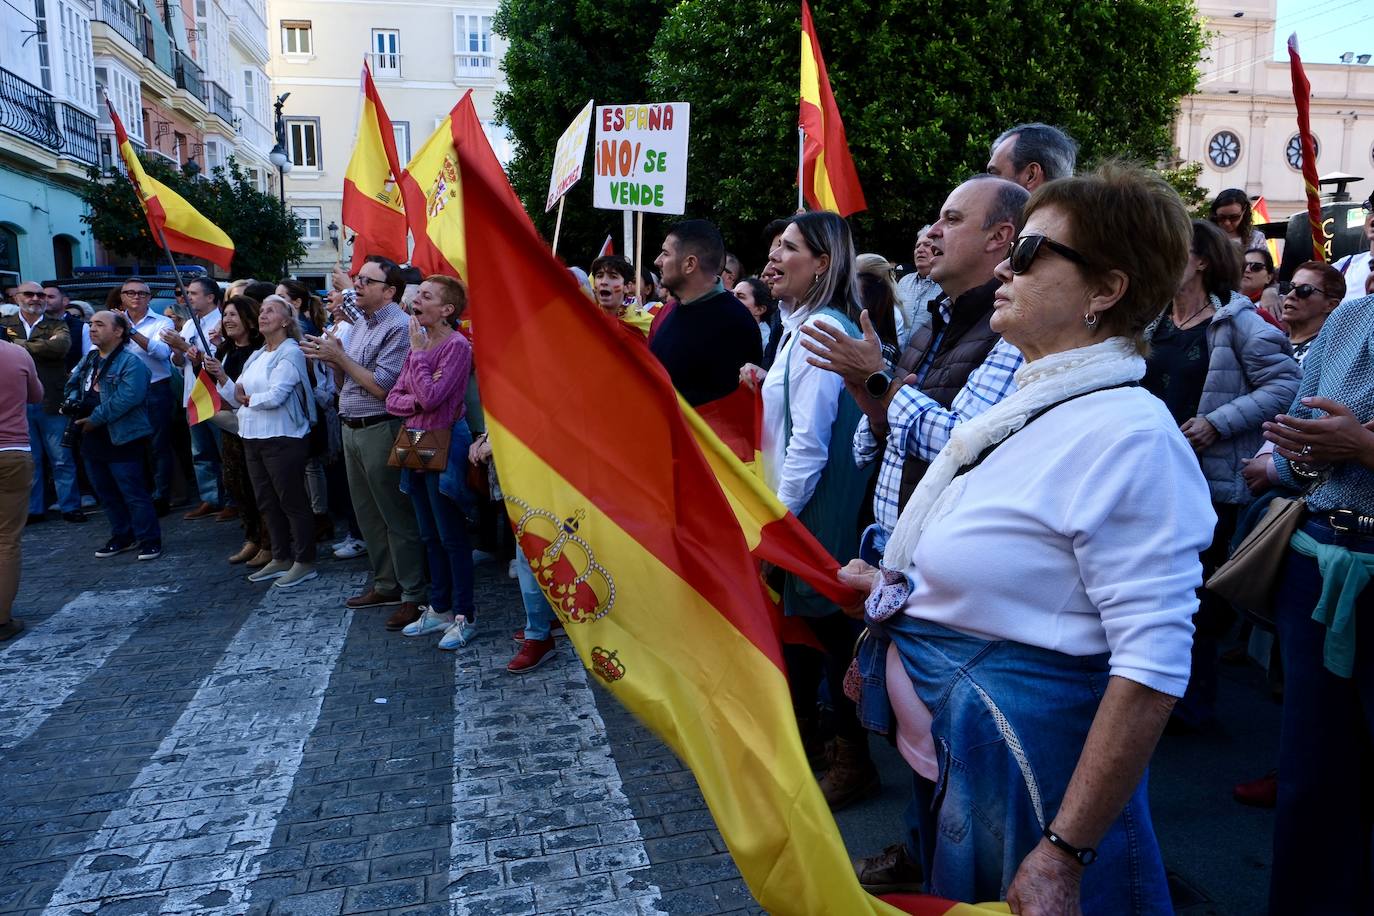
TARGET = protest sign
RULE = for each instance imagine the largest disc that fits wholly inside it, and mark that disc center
(640, 155)
(569, 155)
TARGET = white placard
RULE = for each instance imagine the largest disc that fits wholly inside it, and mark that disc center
(640, 156)
(569, 155)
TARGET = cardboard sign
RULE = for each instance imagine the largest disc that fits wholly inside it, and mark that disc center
(569, 155)
(640, 153)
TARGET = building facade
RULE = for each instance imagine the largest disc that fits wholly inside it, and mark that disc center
(424, 56)
(47, 137)
(1242, 126)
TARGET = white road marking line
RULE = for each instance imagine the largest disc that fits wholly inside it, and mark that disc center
(40, 669)
(206, 805)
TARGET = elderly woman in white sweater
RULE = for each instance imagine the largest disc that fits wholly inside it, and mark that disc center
(1038, 589)
(275, 406)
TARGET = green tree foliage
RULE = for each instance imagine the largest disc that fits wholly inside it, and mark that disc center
(265, 233)
(562, 53)
(1183, 179)
(923, 86)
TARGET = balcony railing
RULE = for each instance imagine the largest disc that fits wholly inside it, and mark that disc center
(385, 64)
(189, 76)
(78, 134)
(221, 103)
(28, 111)
(126, 19)
(481, 64)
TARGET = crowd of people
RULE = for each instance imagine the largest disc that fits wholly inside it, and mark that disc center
(1028, 453)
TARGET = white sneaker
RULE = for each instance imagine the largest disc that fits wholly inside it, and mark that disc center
(340, 545)
(431, 621)
(459, 633)
(510, 570)
(88, 502)
(274, 570)
(352, 548)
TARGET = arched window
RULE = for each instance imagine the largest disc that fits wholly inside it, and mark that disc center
(1293, 151)
(9, 252)
(63, 255)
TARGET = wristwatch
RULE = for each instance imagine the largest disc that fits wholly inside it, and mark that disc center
(1085, 855)
(878, 383)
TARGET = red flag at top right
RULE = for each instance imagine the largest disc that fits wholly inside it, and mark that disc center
(1302, 98)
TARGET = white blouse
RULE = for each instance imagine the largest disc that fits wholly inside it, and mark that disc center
(280, 401)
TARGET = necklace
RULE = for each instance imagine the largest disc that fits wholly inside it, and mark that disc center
(1184, 323)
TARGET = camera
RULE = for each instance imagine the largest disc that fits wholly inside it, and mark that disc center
(77, 408)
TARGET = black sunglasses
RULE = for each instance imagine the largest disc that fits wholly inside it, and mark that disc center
(1025, 249)
(1303, 290)
(1252, 267)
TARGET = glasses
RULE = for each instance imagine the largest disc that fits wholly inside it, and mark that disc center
(136, 293)
(362, 281)
(1254, 267)
(1025, 249)
(1303, 290)
(1226, 218)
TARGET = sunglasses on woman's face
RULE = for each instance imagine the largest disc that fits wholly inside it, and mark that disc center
(1254, 267)
(1025, 249)
(1303, 290)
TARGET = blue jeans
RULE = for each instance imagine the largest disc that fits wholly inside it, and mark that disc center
(1324, 824)
(205, 461)
(45, 438)
(444, 532)
(159, 406)
(538, 614)
(119, 484)
(1010, 722)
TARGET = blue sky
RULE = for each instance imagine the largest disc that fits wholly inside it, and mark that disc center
(1326, 28)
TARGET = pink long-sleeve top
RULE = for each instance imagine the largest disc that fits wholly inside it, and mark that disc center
(429, 393)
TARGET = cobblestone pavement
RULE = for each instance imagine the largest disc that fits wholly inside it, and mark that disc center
(175, 739)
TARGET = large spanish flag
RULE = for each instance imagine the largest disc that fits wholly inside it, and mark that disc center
(634, 541)
(371, 192)
(1302, 99)
(829, 180)
(175, 224)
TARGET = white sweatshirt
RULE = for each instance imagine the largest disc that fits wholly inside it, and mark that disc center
(1081, 534)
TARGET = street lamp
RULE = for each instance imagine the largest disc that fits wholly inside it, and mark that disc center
(333, 230)
(278, 156)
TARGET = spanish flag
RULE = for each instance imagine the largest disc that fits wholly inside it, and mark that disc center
(175, 224)
(1261, 211)
(635, 543)
(199, 395)
(1302, 99)
(371, 195)
(828, 177)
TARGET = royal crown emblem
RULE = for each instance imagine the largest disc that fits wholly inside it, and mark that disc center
(606, 665)
(579, 589)
(444, 189)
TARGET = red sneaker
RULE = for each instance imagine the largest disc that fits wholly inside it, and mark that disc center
(1259, 793)
(554, 628)
(531, 655)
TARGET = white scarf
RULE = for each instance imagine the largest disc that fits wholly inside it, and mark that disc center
(1046, 381)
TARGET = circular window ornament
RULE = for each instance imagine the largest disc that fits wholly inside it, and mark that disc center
(1223, 149)
(1293, 151)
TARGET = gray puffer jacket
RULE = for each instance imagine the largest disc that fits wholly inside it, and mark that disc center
(1251, 377)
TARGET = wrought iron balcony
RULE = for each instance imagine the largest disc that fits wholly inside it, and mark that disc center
(28, 111)
(78, 134)
(126, 19)
(221, 103)
(189, 76)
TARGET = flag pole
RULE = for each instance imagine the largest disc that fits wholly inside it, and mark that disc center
(639, 240)
(558, 225)
(801, 165)
(181, 288)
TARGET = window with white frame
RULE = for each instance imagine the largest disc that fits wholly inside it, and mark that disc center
(214, 156)
(308, 219)
(499, 138)
(296, 37)
(76, 54)
(401, 129)
(472, 51)
(122, 88)
(303, 142)
(255, 93)
(386, 54)
(41, 20)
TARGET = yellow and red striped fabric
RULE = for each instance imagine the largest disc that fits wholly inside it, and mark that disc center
(1261, 211)
(635, 543)
(172, 220)
(1302, 99)
(829, 181)
(371, 191)
(199, 395)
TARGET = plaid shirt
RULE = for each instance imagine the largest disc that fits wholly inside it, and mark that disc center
(380, 344)
(918, 425)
